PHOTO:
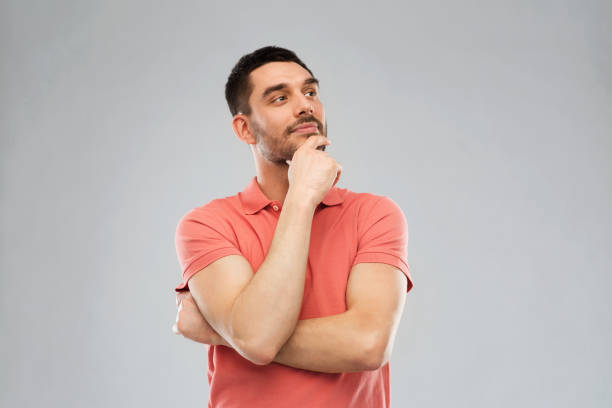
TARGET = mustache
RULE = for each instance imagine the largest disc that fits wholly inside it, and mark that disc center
(303, 120)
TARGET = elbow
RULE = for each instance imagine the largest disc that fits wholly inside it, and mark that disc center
(376, 352)
(260, 357)
(255, 352)
(253, 344)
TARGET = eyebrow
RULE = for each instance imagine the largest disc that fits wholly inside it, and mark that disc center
(283, 85)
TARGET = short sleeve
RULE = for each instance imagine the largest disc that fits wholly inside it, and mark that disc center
(383, 235)
(202, 237)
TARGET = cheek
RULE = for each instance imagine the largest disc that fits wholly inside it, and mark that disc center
(280, 123)
(272, 122)
(319, 110)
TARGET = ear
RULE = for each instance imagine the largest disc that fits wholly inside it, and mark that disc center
(242, 130)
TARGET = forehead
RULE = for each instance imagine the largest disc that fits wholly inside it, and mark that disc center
(274, 73)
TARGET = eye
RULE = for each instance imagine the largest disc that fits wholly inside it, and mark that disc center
(278, 98)
(313, 92)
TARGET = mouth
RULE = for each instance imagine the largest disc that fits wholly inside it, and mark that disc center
(309, 127)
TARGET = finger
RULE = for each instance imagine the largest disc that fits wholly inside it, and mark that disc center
(182, 295)
(338, 175)
(315, 141)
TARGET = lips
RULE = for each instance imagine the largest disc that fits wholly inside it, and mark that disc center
(309, 127)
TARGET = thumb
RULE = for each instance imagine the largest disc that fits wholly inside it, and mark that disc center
(315, 141)
(338, 174)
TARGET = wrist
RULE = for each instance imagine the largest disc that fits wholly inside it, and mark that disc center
(300, 200)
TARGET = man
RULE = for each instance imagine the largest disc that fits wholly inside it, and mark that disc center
(298, 286)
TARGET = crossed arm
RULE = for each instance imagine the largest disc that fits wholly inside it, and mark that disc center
(359, 339)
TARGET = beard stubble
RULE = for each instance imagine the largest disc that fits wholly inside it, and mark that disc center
(280, 149)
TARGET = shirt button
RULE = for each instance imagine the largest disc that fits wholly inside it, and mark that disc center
(275, 207)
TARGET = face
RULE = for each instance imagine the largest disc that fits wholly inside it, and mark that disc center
(285, 109)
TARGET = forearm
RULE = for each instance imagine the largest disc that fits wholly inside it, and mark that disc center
(331, 344)
(266, 312)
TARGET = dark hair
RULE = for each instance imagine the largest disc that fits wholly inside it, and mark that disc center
(238, 88)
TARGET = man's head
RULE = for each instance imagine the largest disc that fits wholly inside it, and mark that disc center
(238, 87)
(270, 93)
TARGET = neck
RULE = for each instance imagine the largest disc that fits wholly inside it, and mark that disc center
(272, 179)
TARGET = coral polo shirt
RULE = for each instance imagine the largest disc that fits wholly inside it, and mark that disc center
(347, 228)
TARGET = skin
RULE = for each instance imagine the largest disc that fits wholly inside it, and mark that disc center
(292, 168)
(267, 128)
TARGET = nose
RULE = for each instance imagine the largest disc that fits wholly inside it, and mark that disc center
(304, 106)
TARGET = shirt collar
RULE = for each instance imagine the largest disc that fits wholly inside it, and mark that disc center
(253, 199)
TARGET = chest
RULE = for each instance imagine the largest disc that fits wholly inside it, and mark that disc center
(332, 250)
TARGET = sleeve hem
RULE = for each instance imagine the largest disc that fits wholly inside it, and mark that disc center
(382, 257)
(202, 262)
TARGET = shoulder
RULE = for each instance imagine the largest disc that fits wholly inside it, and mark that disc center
(216, 213)
(369, 205)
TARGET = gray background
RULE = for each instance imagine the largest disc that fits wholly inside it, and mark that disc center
(489, 123)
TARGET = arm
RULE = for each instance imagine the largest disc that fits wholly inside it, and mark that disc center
(359, 339)
(256, 313)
